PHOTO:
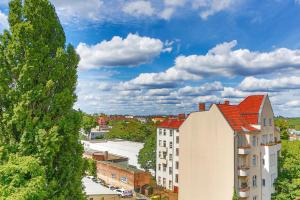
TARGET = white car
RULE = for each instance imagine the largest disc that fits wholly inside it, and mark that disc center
(124, 193)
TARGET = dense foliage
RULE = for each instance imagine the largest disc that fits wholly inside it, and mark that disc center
(282, 124)
(131, 130)
(90, 167)
(293, 123)
(88, 122)
(147, 155)
(38, 76)
(287, 184)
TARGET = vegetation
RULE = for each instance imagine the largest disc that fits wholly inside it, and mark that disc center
(41, 157)
(292, 122)
(287, 184)
(131, 130)
(90, 167)
(235, 196)
(282, 124)
(88, 122)
(147, 155)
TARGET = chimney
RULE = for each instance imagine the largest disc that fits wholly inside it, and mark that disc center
(226, 102)
(105, 155)
(181, 116)
(201, 106)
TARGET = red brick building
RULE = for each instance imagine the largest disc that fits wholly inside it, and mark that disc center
(123, 176)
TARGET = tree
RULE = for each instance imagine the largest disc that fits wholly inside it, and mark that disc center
(235, 196)
(90, 167)
(22, 178)
(282, 124)
(287, 185)
(88, 122)
(38, 75)
(147, 155)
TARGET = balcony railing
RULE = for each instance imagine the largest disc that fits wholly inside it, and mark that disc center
(244, 150)
(244, 192)
(243, 171)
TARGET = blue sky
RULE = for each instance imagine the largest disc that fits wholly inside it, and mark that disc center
(165, 56)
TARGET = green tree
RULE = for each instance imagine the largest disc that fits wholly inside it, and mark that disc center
(235, 196)
(287, 185)
(90, 167)
(147, 155)
(282, 124)
(22, 178)
(88, 122)
(38, 75)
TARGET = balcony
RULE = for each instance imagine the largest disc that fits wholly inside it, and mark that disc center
(163, 160)
(162, 148)
(244, 150)
(243, 171)
(244, 192)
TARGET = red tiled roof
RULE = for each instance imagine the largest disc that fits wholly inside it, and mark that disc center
(240, 117)
(171, 123)
(249, 108)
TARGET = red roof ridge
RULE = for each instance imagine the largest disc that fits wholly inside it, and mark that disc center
(171, 123)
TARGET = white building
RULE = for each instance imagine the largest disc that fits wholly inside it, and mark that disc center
(167, 152)
(119, 147)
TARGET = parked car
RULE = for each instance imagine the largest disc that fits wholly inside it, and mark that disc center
(124, 193)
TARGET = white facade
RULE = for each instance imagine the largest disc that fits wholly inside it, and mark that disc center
(167, 157)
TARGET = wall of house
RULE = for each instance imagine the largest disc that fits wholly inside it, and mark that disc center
(206, 157)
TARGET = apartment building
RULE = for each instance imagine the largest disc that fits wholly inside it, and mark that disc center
(167, 157)
(229, 147)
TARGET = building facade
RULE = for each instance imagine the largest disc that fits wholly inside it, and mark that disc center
(227, 148)
(167, 154)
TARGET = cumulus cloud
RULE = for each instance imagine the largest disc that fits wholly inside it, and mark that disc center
(205, 89)
(261, 84)
(210, 7)
(167, 13)
(221, 60)
(74, 10)
(130, 51)
(174, 2)
(139, 8)
(3, 22)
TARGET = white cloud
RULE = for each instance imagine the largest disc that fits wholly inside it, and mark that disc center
(130, 51)
(260, 84)
(139, 8)
(3, 22)
(221, 60)
(71, 11)
(293, 103)
(167, 13)
(174, 2)
(158, 92)
(211, 7)
(297, 1)
(205, 89)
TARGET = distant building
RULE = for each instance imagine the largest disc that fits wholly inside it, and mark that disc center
(122, 175)
(102, 121)
(229, 147)
(141, 119)
(96, 191)
(104, 156)
(98, 132)
(167, 153)
(157, 119)
(118, 147)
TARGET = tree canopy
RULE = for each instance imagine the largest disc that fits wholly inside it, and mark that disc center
(38, 76)
(287, 184)
(283, 125)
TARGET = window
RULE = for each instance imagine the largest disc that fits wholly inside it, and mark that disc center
(265, 122)
(254, 141)
(170, 157)
(170, 185)
(270, 121)
(113, 175)
(159, 143)
(254, 198)
(254, 160)
(171, 133)
(159, 154)
(177, 139)
(164, 167)
(264, 182)
(159, 167)
(177, 165)
(177, 151)
(254, 181)
(91, 199)
(263, 161)
(165, 143)
(170, 170)
(123, 179)
(176, 178)
(164, 182)
(171, 145)
(164, 131)
(164, 154)
(264, 139)
(159, 180)
(160, 131)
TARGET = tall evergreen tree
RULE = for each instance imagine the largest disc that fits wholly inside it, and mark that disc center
(38, 76)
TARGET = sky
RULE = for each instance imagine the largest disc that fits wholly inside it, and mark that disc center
(145, 57)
